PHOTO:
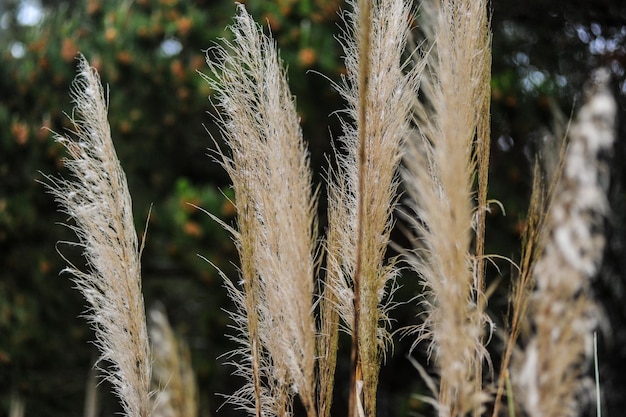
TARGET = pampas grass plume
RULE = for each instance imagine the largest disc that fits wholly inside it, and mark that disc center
(440, 165)
(362, 189)
(97, 199)
(551, 370)
(269, 168)
(172, 373)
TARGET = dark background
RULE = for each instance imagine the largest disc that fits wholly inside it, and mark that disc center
(149, 53)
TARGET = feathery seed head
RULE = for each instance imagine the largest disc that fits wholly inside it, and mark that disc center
(98, 201)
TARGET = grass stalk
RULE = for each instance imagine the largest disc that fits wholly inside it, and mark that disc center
(98, 201)
(362, 192)
(450, 148)
(363, 12)
(269, 168)
(596, 368)
(523, 285)
(328, 341)
(172, 374)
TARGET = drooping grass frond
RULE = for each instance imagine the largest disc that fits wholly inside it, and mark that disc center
(269, 168)
(523, 283)
(172, 375)
(98, 201)
(546, 176)
(362, 190)
(551, 375)
(449, 149)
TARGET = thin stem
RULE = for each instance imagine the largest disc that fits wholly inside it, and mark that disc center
(364, 46)
(597, 372)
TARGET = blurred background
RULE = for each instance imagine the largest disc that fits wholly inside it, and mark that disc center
(149, 53)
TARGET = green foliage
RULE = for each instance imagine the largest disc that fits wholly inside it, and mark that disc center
(39, 311)
(187, 228)
(149, 52)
